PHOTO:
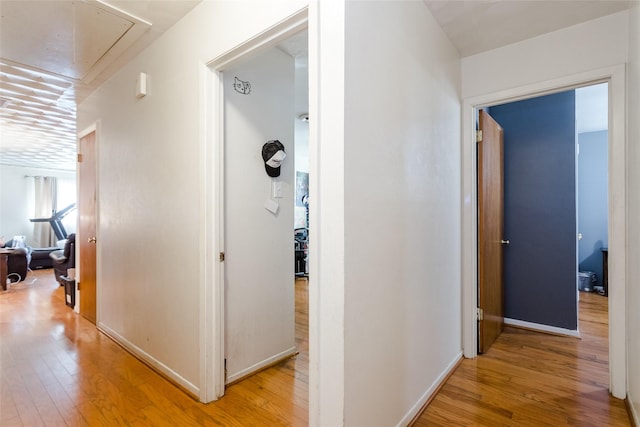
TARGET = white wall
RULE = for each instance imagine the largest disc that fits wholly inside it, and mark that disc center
(402, 210)
(259, 291)
(594, 44)
(17, 200)
(633, 192)
(302, 107)
(150, 180)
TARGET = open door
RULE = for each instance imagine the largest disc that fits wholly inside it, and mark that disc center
(490, 230)
(87, 225)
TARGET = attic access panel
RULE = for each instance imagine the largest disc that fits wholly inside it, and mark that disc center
(71, 39)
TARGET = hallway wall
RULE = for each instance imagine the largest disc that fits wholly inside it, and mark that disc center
(633, 192)
(151, 186)
(402, 210)
(588, 46)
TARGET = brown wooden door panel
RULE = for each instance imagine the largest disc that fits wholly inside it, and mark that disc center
(490, 230)
(87, 225)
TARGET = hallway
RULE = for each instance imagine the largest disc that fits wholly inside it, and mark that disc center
(57, 369)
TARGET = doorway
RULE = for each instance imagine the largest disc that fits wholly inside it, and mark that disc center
(258, 212)
(543, 136)
(615, 76)
(87, 220)
(214, 307)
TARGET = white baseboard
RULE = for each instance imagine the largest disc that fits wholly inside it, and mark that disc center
(151, 361)
(428, 394)
(276, 358)
(542, 328)
(635, 417)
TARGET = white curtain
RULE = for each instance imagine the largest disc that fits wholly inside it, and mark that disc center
(45, 206)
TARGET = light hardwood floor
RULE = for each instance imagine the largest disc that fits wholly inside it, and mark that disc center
(533, 379)
(56, 369)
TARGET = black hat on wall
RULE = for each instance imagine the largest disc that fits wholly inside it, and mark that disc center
(273, 154)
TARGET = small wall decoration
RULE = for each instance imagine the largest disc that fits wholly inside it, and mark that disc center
(241, 86)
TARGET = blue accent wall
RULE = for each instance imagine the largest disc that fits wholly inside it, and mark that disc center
(593, 199)
(540, 209)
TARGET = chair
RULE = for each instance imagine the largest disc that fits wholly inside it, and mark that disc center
(18, 264)
(301, 247)
(64, 259)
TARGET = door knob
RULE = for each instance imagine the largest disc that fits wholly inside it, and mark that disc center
(91, 240)
(505, 242)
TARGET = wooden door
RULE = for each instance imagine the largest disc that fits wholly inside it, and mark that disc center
(490, 230)
(86, 241)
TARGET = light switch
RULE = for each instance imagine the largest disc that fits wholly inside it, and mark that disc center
(277, 190)
(141, 85)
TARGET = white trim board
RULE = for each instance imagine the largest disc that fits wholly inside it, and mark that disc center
(270, 361)
(268, 38)
(635, 417)
(542, 328)
(616, 76)
(149, 360)
(430, 392)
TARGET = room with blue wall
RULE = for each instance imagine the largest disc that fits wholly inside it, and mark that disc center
(592, 200)
(540, 209)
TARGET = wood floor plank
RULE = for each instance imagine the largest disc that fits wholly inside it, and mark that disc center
(533, 379)
(56, 368)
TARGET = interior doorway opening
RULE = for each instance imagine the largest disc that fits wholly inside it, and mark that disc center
(554, 195)
(544, 188)
(265, 96)
(615, 76)
(255, 85)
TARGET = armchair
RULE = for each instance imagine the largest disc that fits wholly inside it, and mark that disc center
(63, 259)
(18, 261)
(18, 264)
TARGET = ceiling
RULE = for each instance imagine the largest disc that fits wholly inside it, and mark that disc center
(481, 25)
(53, 53)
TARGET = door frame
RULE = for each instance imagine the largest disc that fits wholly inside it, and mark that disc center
(212, 241)
(616, 77)
(94, 127)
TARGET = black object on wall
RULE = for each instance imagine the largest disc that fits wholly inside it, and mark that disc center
(540, 209)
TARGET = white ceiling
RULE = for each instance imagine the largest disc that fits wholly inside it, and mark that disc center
(480, 25)
(53, 53)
